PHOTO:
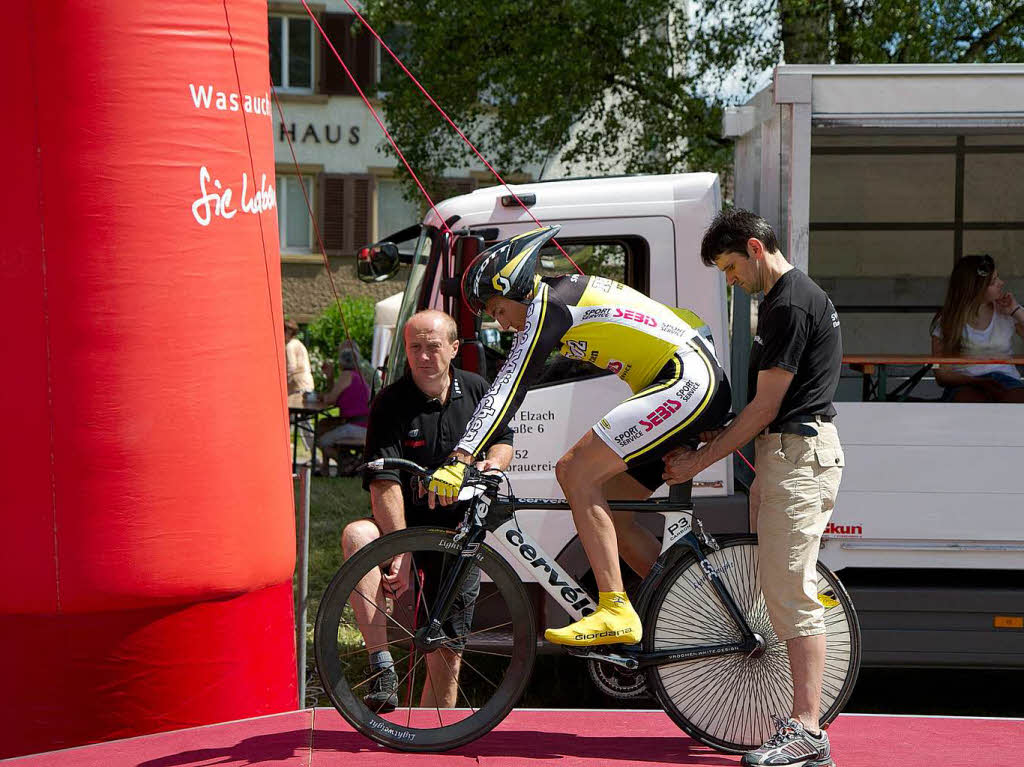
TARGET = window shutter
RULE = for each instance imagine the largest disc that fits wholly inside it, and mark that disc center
(346, 212)
(362, 209)
(357, 49)
(364, 59)
(332, 213)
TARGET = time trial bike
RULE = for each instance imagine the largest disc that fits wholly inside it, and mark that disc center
(709, 654)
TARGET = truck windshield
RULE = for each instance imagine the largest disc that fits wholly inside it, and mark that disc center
(421, 257)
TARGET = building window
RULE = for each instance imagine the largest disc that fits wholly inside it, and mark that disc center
(292, 214)
(291, 53)
(394, 211)
(346, 210)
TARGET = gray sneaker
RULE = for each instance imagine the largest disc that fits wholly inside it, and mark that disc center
(382, 697)
(792, 745)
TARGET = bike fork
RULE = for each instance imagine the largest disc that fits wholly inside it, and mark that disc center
(432, 634)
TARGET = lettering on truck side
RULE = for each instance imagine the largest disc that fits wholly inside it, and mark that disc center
(849, 531)
(555, 578)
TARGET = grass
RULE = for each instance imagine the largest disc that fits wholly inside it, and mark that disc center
(333, 504)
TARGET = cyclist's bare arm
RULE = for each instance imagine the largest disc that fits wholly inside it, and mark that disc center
(498, 457)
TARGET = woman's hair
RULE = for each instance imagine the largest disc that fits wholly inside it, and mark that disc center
(967, 283)
(348, 355)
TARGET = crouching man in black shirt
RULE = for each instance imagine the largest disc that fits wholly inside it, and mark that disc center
(794, 370)
(420, 417)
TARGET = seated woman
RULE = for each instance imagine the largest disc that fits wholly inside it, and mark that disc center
(978, 319)
(342, 437)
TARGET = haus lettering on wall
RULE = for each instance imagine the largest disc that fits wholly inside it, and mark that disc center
(317, 133)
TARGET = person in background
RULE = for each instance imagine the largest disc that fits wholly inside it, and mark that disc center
(978, 319)
(350, 392)
(300, 374)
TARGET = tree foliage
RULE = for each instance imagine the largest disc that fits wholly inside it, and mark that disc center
(327, 331)
(883, 31)
(638, 85)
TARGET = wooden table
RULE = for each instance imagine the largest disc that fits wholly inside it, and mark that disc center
(874, 369)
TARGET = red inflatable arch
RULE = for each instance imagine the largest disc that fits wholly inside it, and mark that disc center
(148, 531)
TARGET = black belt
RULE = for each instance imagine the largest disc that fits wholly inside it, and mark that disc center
(801, 428)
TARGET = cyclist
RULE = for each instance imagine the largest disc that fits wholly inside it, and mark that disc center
(667, 358)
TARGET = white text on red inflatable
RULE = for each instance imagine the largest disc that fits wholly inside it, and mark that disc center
(205, 96)
(218, 201)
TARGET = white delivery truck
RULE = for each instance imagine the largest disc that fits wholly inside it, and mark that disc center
(878, 178)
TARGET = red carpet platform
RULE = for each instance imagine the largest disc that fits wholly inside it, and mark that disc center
(568, 738)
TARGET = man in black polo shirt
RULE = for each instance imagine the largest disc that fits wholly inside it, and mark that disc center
(794, 370)
(420, 417)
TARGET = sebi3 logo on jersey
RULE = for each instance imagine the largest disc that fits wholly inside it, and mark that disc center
(619, 368)
(661, 413)
(638, 317)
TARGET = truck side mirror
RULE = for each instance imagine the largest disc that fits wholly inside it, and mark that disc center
(377, 262)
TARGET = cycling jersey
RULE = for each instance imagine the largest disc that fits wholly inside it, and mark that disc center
(611, 326)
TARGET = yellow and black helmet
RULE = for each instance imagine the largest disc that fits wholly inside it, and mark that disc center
(505, 269)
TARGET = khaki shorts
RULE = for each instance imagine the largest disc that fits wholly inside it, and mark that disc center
(798, 478)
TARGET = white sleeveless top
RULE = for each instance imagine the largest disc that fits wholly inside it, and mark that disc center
(994, 341)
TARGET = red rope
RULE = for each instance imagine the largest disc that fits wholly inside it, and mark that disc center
(745, 460)
(375, 115)
(316, 230)
(454, 126)
(401, 156)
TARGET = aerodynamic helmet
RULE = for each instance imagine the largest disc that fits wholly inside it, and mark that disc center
(505, 269)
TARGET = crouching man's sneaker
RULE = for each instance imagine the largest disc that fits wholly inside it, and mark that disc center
(382, 697)
(792, 745)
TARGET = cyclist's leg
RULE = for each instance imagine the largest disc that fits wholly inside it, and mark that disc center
(370, 612)
(633, 435)
(637, 545)
(582, 473)
(710, 392)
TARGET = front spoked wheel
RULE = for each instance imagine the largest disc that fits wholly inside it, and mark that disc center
(728, 701)
(441, 696)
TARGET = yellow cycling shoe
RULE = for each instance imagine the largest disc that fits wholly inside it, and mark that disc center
(614, 622)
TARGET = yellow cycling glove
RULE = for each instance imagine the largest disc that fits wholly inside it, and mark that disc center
(446, 482)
